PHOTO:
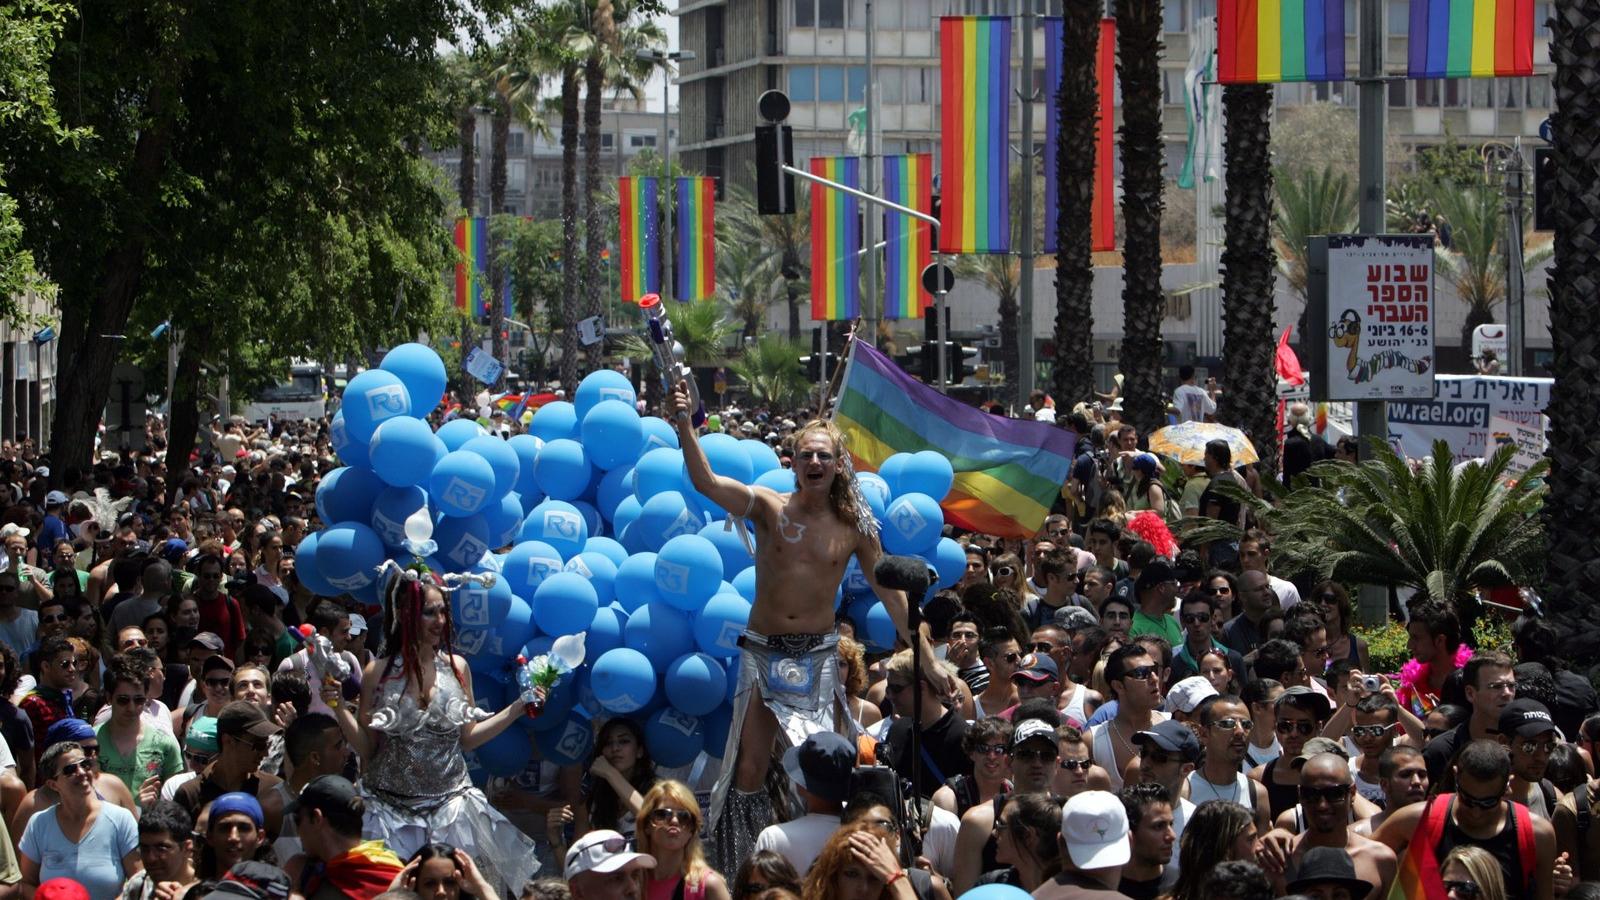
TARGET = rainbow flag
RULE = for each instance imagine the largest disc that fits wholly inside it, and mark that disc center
(1263, 41)
(835, 240)
(696, 274)
(974, 126)
(908, 243)
(641, 237)
(1102, 232)
(1470, 39)
(472, 268)
(1008, 471)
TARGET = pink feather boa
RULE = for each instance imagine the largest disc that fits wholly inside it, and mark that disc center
(1416, 678)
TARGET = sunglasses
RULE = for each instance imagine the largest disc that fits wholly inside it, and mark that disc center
(1141, 672)
(1215, 591)
(1035, 755)
(1463, 888)
(895, 687)
(1155, 755)
(1529, 748)
(821, 456)
(1369, 731)
(1004, 571)
(1475, 802)
(1333, 796)
(1197, 618)
(990, 750)
(1290, 726)
(71, 769)
(199, 760)
(1077, 765)
(671, 816)
(1012, 658)
(1229, 723)
(59, 617)
(125, 700)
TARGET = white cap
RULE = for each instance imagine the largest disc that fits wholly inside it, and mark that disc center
(1188, 693)
(358, 623)
(1094, 826)
(10, 529)
(603, 852)
(55, 498)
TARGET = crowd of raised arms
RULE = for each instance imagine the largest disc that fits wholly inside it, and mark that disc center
(1104, 712)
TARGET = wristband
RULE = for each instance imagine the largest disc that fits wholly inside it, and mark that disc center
(898, 874)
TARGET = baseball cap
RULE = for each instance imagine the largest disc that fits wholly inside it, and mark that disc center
(325, 793)
(55, 498)
(253, 880)
(1326, 866)
(242, 717)
(216, 662)
(7, 530)
(1301, 696)
(1038, 667)
(821, 764)
(604, 852)
(202, 735)
(1094, 826)
(207, 640)
(1145, 462)
(1172, 736)
(1187, 694)
(358, 624)
(1318, 746)
(1072, 618)
(1159, 571)
(1525, 718)
(61, 889)
(1033, 729)
(237, 802)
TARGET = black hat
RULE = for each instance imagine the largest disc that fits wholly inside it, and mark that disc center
(1174, 737)
(822, 765)
(1157, 572)
(1525, 718)
(1329, 866)
(326, 793)
(1306, 699)
(242, 717)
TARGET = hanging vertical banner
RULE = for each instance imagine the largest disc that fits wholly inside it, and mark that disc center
(1486, 39)
(1102, 230)
(696, 274)
(472, 269)
(641, 237)
(908, 242)
(1265, 41)
(835, 240)
(975, 78)
(1202, 107)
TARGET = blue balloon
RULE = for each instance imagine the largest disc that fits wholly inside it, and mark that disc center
(717, 725)
(456, 432)
(600, 386)
(404, 450)
(659, 433)
(554, 421)
(502, 458)
(489, 691)
(347, 494)
(605, 632)
(561, 525)
(695, 683)
(462, 540)
(727, 457)
(370, 399)
(564, 604)
(876, 490)
(879, 627)
(854, 581)
(421, 370)
(635, 584)
(562, 470)
(996, 892)
(461, 484)
(570, 743)
(632, 540)
(613, 434)
(607, 547)
(745, 584)
(730, 546)
(891, 469)
(623, 680)
(527, 448)
(477, 611)
(351, 452)
(348, 555)
(504, 519)
(912, 524)
(666, 516)
(527, 566)
(688, 571)
(780, 480)
(506, 639)
(506, 754)
(660, 632)
(949, 559)
(305, 567)
(599, 570)
(591, 516)
(659, 471)
(762, 457)
(616, 486)
(927, 472)
(674, 738)
(718, 625)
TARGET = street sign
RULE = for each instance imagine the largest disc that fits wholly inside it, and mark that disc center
(936, 274)
(125, 412)
(1371, 314)
(1547, 131)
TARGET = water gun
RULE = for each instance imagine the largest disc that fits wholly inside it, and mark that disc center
(660, 328)
(335, 669)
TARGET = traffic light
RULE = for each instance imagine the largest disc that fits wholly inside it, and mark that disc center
(774, 149)
(963, 362)
(811, 364)
(1544, 188)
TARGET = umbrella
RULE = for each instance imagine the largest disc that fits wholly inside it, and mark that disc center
(1186, 443)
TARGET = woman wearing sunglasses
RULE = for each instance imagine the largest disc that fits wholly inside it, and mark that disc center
(81, 837)
(1005, 572)
(1471, 873)
(669, 830)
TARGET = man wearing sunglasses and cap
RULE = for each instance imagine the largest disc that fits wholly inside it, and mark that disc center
(600, 867)
(1035, 759)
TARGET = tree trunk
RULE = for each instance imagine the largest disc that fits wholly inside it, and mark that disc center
(1143, 302)
(467, 131)
(570, 301)
(791, 287)
(1574, 495)
(494, 294)
(1010, 353)
(1078, 104)
(185, 408)
(1249, 400)
(594, 233)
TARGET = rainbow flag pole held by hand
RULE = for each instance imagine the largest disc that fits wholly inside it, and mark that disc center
(1008, 471)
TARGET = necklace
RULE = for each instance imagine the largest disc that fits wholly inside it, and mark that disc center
(1216, 794)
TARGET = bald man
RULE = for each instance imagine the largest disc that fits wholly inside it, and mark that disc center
(1326, 792)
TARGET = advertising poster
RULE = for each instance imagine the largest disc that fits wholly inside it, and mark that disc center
(1462, 413)
(1380, 327)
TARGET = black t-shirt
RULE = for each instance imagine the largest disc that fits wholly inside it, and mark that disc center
(1441, 751)
(1575, 699)
(1140, 890)
(942, 757)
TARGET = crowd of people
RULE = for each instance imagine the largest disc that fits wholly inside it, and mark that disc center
(1096, 710)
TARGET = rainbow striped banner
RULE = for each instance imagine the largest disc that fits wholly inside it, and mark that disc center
(1008, 471)
(835, 240)
(641, 237)
(472, 268)
(1265, 41)
(696, 274)
(1470, 39)
(1102, 232)
(908, 242)
(974, 127)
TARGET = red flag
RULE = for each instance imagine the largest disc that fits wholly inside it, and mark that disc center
(1287, 364)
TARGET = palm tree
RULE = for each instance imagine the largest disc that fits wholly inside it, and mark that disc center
(1002, 274)
(746, 278)
(1248, 265)
(466, 97)
(1078, 105)
(770, 370)
(1143, 302)
(557, 28)
(1310, 203)
(788, 236)
(1475, 263)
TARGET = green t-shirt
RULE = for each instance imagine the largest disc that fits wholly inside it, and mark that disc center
(1165, 626)
(156, 753)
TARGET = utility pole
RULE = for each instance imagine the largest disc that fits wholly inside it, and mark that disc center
(869, 182)
(1372, 416)
(666, 58)
(1024, 374)
(1513, 252)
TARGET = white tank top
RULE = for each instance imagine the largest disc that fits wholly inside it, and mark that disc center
(1202, 790)
(1100, 746)
(1074, 708)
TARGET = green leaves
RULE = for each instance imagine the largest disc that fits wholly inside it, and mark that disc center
(770, 370)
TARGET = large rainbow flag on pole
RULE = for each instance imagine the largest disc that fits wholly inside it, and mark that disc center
(975, 128)
(1470, 39)
(1264, 41)
(835, 240)
(472, 268)
(1008, 471)
(1102, 231)
(908, 242)
(696, 273)
(641, 237)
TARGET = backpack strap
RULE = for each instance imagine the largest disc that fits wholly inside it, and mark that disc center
(1526, 851)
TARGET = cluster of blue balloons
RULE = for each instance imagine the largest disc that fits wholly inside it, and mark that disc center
(602, 533)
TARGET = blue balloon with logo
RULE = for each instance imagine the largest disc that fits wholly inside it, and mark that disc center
(504, 518)
(665, 516)
(305, 567)
(554, 421)
(591, 516)
(949, 559)
(623, 680)
(912, 524)
(719, 624)
(502, 459)
(660, 632)
(745, 584)
(599, 570)
(674, 738)
(528, 564)
(996, 892)
(564, 603)
(780, 480)
(891, 470)
(421, 370)
(347, 494)
(688, 571)
(568, 744)
(462, 541)
(477, 610)
(730, 546)
(607, 547)
(561, 525)
(348, 555)
(502, 642)
(659, 471)
(613, 434)
(461, 484)
(456, 432)
(876, 490)
(403, 451)
(635, 582)
(927, 472)
(600, 386)
(351, 452)
(372, 398)
(659, 433)
(728, 458)
(605, 632)
(695, 683)
(562, 470)
(527, 448)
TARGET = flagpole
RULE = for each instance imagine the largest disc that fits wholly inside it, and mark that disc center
(838, 374)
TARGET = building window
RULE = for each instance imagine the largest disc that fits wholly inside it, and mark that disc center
(803, 84)
(857, 10)
(1398, 17)
(1349, 16)
(1428, 93)
(919, 14)
(1541, 20)
(515, 142)
(857, 86)
(1175, 15)
(1172, 91)
(830, 13)
(1455, 93)
(1539, 92)
(1482, 93)
(1397, 94)
(830, 84)
(805, 13)
(608, 141)
(638, 141)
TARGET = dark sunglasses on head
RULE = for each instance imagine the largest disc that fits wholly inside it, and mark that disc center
(1290, 726)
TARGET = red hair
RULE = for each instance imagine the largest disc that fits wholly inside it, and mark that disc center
(1149, 526)
(406, 597)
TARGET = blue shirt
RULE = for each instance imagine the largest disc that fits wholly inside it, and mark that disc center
(51, 531)
(95, 861)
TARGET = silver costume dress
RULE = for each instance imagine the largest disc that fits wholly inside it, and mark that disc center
(417, 789)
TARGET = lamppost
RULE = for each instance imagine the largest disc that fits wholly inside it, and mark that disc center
(665, 58)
